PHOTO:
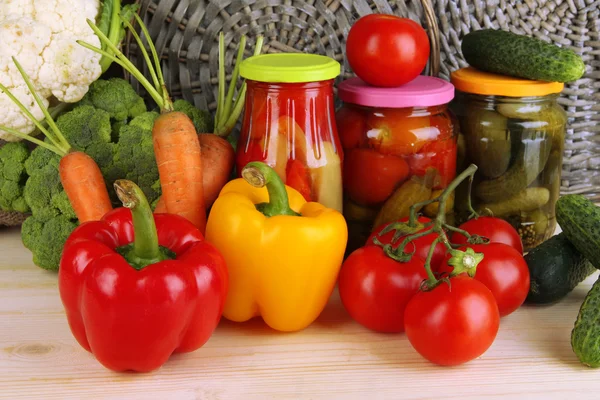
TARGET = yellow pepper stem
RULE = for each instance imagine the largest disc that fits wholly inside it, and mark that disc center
(259, 175)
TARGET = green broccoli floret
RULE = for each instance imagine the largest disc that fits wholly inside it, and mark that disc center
(117, 97)
(84, 126)
(13, 176)
(43, 189)
(46, 238)
(203, 120)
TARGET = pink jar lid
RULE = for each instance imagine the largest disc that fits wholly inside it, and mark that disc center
(423, 91)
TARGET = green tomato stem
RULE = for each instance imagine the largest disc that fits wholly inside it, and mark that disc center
(259, 175)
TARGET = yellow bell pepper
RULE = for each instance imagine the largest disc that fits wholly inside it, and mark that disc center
(283, 254)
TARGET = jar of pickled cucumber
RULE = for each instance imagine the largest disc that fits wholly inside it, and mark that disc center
(399, 149)
(514, 131)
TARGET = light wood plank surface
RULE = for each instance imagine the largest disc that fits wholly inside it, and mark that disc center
(334, 358)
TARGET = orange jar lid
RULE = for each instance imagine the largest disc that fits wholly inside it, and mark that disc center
(471, 80)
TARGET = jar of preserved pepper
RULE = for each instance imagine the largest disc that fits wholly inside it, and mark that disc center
(289, 123)
(514, 131)
(400, 147)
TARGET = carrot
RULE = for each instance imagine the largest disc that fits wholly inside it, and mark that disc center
(192, 170)
(79, 174)
(176, 144)
(177, 151)
(217, 156)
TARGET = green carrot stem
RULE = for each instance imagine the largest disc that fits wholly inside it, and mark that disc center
(221, 95)
(157, 97)
(161, 79)
(234, 78)
(137, 38)
(41, 143)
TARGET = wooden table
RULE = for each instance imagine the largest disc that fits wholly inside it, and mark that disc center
(334, 358)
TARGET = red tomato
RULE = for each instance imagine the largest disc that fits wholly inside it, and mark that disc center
(299, 178)
(504, 271)
(370, 178)
(453, 323)
(421, 245)
(438, 154)
(375, 289)
(351, 126)
(495, 229)
(399, 132)
(386, 50)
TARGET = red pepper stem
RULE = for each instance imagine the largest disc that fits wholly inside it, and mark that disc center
(145, 248)
(259, 175)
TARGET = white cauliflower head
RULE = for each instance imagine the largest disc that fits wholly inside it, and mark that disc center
(42, 35)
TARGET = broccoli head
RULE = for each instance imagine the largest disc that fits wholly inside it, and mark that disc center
(117, 97)
(45, 237)
(13, 176)
(85, 125)
(202, 119)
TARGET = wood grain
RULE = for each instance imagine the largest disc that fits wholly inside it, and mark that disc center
(334, 358)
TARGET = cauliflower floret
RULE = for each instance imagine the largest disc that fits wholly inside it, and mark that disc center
(42, 35)
(67, 15)
(69, 68)
(24, 39)
(12, 117)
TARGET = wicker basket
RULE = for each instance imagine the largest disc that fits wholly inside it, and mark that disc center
(185, 32)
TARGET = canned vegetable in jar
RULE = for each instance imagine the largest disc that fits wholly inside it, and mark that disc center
(514, 131)
(289, 123)
(399, 149)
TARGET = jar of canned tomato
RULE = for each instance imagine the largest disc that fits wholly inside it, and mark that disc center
(400, 147)
(289, 123)
(514, 131)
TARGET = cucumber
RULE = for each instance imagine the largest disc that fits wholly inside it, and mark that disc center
(527, 200)
(579, 219)
(585, 337)
(521, 56)
(555, 269)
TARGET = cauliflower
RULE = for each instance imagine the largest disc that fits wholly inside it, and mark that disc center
(42, 35)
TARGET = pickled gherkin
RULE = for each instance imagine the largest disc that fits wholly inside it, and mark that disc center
(517, 144)
(488, 141)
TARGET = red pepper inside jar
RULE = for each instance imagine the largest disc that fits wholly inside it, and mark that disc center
(289, 123)
(400, 147)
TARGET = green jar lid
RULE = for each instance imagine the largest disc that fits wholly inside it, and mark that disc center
(289, 68)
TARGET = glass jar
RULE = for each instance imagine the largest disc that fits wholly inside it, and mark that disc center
(289, 123)
(514, 131)
(399, 147)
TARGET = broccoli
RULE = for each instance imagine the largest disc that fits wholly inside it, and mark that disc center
(118, 98)
(13, 176)
(45, 237)
(202, 119)
(89, 127)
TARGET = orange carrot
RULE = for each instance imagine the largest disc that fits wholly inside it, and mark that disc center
(79, 174)
(218, 158)
(85, 187)
(178, 155)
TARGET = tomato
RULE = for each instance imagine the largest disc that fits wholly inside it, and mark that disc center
(370, 178)
(421, 245)
(375, 289)
(351, 126)
(386, 50)
(439, 154)
(297, 177)
(453, 323)
(495, 229)
(504, 271)
(397, 131)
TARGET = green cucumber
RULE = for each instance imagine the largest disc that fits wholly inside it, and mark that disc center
(579, 219)
(521, 56)
(527, 200)
(555, 269)
(585, 337)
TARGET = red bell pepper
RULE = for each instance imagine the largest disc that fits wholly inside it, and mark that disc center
(138, 287)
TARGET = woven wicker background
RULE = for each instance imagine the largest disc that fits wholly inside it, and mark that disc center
(186, 32)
